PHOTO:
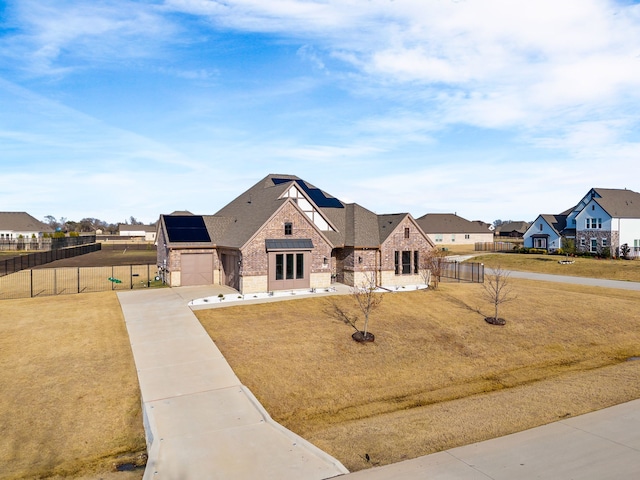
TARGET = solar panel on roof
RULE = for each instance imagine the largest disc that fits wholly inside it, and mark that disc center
(183, 228)
(315, 194)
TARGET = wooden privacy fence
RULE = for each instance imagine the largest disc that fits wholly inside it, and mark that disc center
(61, 281)
(463, 272)
(496, 246)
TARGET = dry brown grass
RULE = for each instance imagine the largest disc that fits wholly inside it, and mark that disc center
(70, 403)
(108, 257)
(583, 267)
(74, 280)
(437, 375)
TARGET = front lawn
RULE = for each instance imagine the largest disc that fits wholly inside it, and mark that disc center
(437, 375)
(582, 267)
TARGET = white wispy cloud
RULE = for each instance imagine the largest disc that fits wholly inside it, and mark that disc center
(55, 37)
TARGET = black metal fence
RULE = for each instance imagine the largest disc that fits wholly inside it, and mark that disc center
(61, 281)
(30, 260)
(463, 272)
(44, 243)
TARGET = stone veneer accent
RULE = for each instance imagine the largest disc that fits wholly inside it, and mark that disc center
(321, 280)
(613, 240)
(254, 284)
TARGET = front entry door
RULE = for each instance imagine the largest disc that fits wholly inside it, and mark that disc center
(230, 270)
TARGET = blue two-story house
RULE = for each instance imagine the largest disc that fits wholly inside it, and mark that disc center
(603, 220)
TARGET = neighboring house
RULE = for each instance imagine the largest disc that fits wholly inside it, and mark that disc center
(512, 229)
(450, 229)
(15, 226)
(603, 219)
(546, 232)
(146, 232)
(284, 233)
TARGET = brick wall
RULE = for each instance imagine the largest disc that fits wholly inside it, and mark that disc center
(356, 262)
(397, 242)
(254, 256)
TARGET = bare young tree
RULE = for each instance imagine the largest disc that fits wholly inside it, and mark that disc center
(367, 300)
(432, 266)
(497, 290)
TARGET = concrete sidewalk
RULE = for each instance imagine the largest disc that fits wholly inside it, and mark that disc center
(200, 421)
(592, 282)
(597, 446)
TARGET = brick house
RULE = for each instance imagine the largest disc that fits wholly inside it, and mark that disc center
(283, 233)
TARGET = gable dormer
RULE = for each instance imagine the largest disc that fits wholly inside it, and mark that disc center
(308, 207)
(571, 218)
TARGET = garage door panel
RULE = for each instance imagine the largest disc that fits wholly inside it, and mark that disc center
(197, 269)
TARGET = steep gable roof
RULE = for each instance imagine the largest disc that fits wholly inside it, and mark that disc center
(618, 203)
(22, 222)
(557, 222)
(248, 212)
(449, 223)
(388, 223)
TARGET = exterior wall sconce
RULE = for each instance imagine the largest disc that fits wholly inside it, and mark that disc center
(359, 259)
(325, 260)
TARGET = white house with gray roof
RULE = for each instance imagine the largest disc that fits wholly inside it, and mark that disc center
(451, 229)
(16, 226)
(603, 220)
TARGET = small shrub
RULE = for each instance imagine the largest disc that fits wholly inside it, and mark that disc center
(624, 251)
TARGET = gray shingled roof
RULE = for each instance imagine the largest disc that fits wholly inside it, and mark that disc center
(557, 222)
(519, 227)
(449, 223)
(247, 213)
(22, 222)
(235, 224)
(619, 203)
(388, 223)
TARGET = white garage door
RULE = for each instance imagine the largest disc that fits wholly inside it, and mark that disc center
(197, 269)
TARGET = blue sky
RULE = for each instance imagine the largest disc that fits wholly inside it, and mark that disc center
(493, 109)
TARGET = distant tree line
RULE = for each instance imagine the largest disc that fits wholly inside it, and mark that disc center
(86, 225)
